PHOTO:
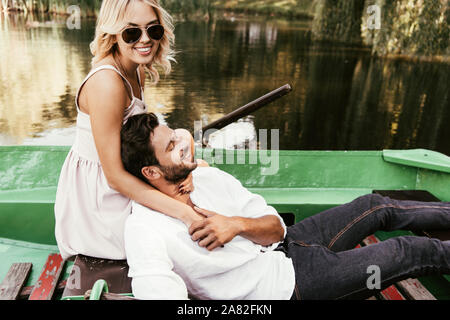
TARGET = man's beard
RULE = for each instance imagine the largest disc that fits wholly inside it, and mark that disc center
(178, 173)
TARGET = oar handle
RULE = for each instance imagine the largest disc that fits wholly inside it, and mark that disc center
(248, 108)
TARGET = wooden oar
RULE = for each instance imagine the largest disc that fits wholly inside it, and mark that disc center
(245, 110)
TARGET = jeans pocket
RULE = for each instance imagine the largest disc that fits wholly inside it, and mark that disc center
(302, 244)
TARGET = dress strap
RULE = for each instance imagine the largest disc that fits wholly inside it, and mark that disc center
(139, 77)
(102, 67)
(140, 84)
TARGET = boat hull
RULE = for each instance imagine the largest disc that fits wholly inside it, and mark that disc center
(298, 183)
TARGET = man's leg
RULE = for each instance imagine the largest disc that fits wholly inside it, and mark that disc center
(353, 274)
(343, 227)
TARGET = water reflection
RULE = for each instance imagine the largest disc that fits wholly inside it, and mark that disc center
(40, 68)
(376, 104)
(342, 98)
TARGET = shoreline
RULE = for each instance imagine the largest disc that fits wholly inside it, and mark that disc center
(222, 12)
(222, 7)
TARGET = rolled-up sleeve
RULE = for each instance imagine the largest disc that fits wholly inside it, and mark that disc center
(151, 269)
(250, 205)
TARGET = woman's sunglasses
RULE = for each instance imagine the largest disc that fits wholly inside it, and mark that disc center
(134, 34)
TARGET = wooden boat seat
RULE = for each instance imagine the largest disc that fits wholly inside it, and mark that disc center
(87, 270)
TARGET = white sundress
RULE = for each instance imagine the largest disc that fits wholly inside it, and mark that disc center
(89, 214)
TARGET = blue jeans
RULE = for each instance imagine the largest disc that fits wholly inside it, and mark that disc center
(327, 265)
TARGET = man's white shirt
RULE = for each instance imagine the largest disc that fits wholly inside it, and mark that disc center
(166, 264)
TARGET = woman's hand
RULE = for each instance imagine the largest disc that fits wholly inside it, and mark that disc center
(202, 163)
(192, 217)
(186, 186)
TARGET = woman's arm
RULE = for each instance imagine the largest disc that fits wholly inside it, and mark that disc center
(106, 99)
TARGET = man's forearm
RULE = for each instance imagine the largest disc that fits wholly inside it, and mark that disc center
(264, 230)
(216, 230)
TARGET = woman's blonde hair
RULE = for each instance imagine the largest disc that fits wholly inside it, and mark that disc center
(111, 21)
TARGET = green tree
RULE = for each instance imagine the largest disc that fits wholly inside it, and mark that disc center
(338, 20)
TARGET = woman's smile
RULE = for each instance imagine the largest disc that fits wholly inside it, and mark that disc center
(144, 51)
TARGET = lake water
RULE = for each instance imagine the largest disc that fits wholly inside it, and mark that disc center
(342, 98)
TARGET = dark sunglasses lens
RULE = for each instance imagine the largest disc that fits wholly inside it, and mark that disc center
(131, 35)
(156, 32)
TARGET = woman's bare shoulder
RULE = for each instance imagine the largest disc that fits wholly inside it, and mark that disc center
(106, 82)
(104, 78)
(104, 87)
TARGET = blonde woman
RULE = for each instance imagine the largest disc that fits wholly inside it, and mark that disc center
(94, 191)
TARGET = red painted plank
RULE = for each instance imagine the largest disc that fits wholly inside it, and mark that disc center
(391, 293)
(46, 284)
(370, 240)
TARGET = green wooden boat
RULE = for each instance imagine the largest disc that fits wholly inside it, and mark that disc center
(298, 182)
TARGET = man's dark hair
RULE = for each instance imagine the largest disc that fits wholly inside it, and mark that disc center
(136, 148)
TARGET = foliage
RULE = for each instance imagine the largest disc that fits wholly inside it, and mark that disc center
(407, 27)
(180, 6)
(338, 20)
(287, 8)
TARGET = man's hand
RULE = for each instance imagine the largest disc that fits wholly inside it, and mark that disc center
(215, 230)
